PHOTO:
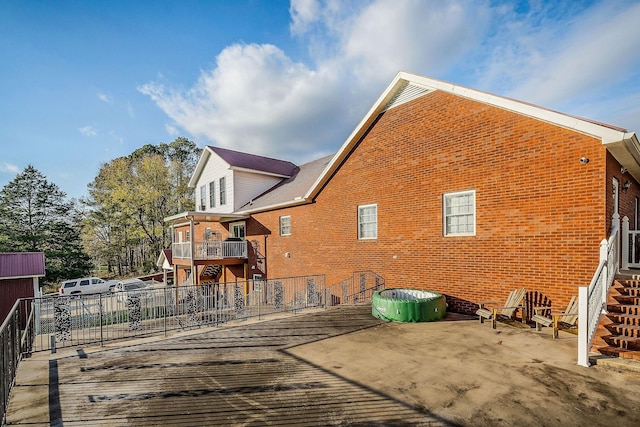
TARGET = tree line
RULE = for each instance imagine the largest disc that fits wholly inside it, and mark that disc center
(119, 224)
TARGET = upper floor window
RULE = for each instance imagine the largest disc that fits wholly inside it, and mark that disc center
(285, 225)
(203, 198)
(212, 194)
(223, 191)
(237, 230)
(368, 222)
(459, 213)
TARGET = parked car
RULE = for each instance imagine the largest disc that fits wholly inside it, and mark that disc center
(85, 285)
(129, 287)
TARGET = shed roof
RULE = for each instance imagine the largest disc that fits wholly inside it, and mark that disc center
(14, 265)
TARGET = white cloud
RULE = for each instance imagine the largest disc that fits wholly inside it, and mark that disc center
(88, 131)
(258, 99)
(597, 50)
(130, 110)
(105, 98)
(10, 168)
(172, 130)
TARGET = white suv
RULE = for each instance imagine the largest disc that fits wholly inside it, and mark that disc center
(86, 285)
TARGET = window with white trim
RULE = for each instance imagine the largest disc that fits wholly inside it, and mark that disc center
(203, 198)
(368, 222)
(223, 191)
(237, 230)
(459, 213)
(285, 225)
(212, 194)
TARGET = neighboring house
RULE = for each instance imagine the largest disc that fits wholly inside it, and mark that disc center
(19, 278)
(165, 262)
(439, 187)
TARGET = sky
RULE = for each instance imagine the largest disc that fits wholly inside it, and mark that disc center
(85, 82)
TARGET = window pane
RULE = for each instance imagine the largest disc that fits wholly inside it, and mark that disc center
(212, 194)
(223, 191)
(285, 225)
(459, 213)
(368, 222)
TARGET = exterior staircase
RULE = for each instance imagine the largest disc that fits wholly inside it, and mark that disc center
(619, 329)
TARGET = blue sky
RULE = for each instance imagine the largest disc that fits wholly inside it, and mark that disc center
(84, 82)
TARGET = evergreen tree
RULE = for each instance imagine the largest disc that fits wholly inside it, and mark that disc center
(35, 216)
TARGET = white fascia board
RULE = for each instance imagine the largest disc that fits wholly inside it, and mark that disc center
(202, 163)
(290, 203)
(180, 215)
(258, 172)
(606, 134)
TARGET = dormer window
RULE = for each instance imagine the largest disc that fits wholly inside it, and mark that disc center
(203, 198)
(223, 191)
(212, 194)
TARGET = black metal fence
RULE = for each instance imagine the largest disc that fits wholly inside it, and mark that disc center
(52, 322)
(15, 342)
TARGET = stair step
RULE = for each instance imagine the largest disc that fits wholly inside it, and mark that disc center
(628, 283)
(623, 308)
(627, 299)
(624, 290)
(627, 343)
(625, 330)
(613, 351)
(624, 318)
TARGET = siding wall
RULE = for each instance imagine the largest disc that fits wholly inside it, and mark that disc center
(540, 213)
(213, 171)
(247, 186)
(10, 291)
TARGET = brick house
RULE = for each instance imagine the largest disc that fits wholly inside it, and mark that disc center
(439, 187)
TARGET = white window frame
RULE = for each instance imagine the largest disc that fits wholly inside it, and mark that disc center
(232, 229)
(212, 194)
(222, 184)
(446, 200)
(362, 235)
(203, 197)
(285, 229)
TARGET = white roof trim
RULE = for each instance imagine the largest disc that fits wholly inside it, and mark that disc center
(258, 172)
(402, 79)
(204, 158)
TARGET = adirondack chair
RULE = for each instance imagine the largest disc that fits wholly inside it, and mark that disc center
(563, 319)
(491, 310)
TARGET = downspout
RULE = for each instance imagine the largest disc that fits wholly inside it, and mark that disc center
(265, 256)
(191, 236)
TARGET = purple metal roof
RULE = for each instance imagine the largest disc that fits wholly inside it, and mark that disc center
(21, 264)
(254, 162)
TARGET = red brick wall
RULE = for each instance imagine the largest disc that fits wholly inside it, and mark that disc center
(540, 213)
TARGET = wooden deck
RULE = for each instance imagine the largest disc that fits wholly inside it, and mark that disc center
(240, 375)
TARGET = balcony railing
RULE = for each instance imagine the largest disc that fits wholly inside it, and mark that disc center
(216, 249)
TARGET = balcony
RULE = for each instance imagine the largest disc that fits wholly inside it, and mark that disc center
(216, 249)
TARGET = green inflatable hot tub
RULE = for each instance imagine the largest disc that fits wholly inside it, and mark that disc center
(408, 305)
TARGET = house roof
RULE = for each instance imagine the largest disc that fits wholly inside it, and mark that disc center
(623, 145)
(16, 265)
(236, 159)
(245, 162)
(165, 259)
(291, 190)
